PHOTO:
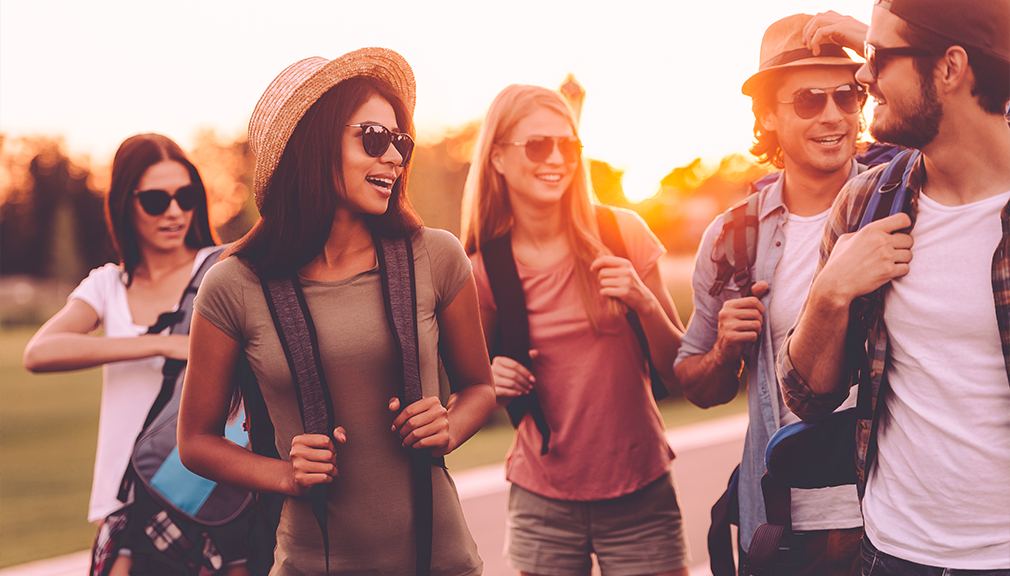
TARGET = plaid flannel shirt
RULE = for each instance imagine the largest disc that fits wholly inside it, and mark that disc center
(845, 216)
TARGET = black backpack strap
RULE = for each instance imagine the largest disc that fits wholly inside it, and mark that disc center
(178, 320)
(739, 242)
(610, 235)
(396, 265)
(297, 334)
(513, 319)
(767, 543)
(725, 511)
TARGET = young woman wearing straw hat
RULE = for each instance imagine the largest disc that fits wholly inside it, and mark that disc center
(157, 214)
(604, 484)
(333, 146)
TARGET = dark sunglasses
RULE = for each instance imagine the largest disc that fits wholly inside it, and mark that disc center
(538, 148)
(376, 138)
(876, 56)
(810, 102)
(155, 202)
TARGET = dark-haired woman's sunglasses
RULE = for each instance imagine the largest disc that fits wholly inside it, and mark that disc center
(376, 138)
(538, 148)
(810, 102)
(155, 202)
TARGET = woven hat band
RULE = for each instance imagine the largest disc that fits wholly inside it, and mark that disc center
(827, 51)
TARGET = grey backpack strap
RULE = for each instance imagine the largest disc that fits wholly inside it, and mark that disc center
(297, 334)
(399, 294)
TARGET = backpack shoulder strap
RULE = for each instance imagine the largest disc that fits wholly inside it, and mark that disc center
(891, 195)
(725, 511)
(399, 295)
(610, 235)
(297, 334)
(509, 298)
(610, 232)
(770, 540)
(513, 320)
(739, 243)
(396, 267)
(178, 321)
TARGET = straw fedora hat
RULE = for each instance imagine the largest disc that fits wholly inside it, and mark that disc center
(783, 47)
(297, 88)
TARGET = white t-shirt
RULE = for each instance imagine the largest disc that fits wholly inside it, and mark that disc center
(825, 508)
(128, 388)
(939, 493)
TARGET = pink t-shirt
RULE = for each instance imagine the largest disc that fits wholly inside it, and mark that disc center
(607, 437)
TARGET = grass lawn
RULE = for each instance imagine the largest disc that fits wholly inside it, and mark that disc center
(49, 427)
(48, 431)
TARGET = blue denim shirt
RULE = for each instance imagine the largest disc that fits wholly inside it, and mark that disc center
(762, 386)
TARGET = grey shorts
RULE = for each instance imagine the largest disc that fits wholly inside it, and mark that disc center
(634, 534)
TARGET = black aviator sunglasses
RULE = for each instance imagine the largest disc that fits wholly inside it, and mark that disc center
(156, 202)
(376, 138)
(810, 102)
(538, 148)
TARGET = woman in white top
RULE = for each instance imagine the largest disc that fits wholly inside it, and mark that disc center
(157, 215)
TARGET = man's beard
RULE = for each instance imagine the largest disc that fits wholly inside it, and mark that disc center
(914, 129)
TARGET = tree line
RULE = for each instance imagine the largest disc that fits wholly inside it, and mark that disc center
(52, 222)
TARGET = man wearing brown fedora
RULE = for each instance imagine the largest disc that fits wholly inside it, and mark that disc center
(807, 107)
(934, 280)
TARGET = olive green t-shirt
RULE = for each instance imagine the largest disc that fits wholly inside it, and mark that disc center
(371, 526)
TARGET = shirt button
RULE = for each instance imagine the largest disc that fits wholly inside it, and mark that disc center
(777, 244)
(873, 373)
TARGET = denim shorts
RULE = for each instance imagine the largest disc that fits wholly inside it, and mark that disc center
(877, 563)
(638, 533)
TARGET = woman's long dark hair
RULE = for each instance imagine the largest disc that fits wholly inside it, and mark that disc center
(135, 155)
(301, 199)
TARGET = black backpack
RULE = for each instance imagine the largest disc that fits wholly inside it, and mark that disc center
(297, 333)
(513, 319)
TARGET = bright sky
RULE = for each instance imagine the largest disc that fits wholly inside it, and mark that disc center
(662, 77)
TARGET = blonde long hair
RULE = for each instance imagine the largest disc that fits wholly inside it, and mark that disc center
(487, 213)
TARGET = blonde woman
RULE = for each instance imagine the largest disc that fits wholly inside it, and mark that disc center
(593, 475)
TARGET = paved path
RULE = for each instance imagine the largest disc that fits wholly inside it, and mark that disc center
(706, 454)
